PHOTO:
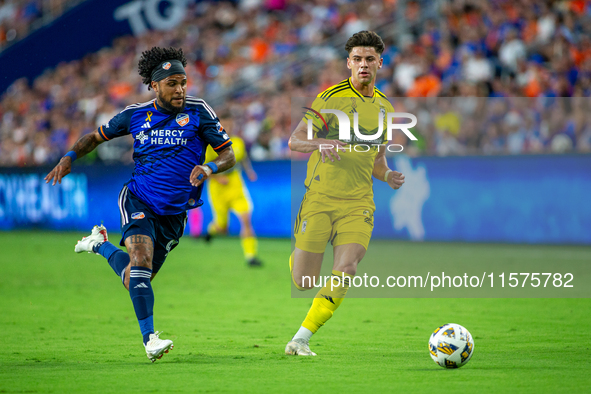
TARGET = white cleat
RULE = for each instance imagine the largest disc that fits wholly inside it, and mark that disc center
(299, 347)
(156, 347)
(97, 235)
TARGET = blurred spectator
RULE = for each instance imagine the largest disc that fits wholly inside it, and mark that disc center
(19, 17)
(511, 51)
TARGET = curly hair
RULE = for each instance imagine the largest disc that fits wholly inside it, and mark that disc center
(365, 39)
(153, 57)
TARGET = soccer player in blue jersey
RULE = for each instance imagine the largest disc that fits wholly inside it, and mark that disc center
(171, 134)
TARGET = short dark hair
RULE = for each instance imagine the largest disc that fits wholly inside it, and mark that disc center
(365, 39)
(153, 57)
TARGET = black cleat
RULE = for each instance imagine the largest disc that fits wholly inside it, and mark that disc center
(254, 262)
(207, 237)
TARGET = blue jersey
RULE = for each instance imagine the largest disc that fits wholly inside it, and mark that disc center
(167, 147)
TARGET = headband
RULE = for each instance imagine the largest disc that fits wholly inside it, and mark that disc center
(166, 69)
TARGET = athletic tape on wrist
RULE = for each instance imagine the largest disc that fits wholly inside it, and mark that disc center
(72, 155)
(386, 175)
(213, 166)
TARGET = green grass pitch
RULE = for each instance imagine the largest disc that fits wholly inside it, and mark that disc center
(68, 325)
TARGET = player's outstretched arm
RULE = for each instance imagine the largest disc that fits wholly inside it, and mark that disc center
(225, 160)
(250, 173)
(381, 171)
(299, 142)
(82, 147)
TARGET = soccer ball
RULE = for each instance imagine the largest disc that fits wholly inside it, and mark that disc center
(451, 346)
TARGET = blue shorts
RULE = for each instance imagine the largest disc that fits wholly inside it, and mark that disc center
(138, 218)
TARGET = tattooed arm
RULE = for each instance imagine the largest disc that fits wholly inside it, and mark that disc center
(82, 147)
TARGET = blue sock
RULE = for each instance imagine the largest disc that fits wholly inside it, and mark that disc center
(147, 327)
(142, 297)
(118, 259)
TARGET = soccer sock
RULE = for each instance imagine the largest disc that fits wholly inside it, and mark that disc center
(249, 247)
(212, 229)
(327, 301)
(291, 272)
(303, 333)
(118, 259)
(142, 297)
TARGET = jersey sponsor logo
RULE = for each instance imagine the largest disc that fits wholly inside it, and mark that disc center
(141, 137)
(168, 137)
(138, 215)
(182, 119)
(166, 65)
(146, 125)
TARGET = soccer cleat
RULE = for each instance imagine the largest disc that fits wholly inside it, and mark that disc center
(97, 235)
(254, 262)
(299, 347)
(156, 347)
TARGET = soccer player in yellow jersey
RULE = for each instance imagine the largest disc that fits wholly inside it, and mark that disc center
(338, 205)
(227, 191)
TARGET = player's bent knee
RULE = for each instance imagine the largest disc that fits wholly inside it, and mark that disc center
(140, 259)
(304, 282)
(347, 269)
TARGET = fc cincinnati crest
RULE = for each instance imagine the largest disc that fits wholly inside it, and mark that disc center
(166, 65)
(182, 119)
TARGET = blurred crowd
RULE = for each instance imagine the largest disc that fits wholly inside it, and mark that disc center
(19, 17)
(248, 58)
(496, 126)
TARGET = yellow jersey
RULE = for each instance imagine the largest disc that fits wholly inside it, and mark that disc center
(349, 178)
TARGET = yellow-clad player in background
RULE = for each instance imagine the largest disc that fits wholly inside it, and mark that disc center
(338, 205)
(227, 191)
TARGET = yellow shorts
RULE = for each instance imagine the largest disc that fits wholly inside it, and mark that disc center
(322, 218)
(223, 198)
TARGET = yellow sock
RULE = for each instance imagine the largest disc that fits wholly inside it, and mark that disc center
(291, 272)
(249, 247)
(327, 301)
(212, 229)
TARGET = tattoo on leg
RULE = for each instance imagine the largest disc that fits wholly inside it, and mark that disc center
(138, 239)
